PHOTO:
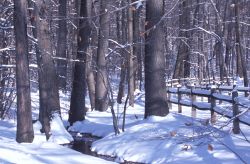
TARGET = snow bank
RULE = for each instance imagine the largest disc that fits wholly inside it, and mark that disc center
(59, 134)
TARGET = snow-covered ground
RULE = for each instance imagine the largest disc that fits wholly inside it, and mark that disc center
(40, 151)
(176, 138)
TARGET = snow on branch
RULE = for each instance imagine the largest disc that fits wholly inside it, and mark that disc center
(210, 33)
(162, 18)
(7, 28)
(7, 49)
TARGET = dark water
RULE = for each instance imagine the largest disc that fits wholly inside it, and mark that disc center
(82, 143)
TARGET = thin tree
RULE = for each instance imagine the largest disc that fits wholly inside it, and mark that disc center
(138, 46)
(182, 66)
(241, 63)
(218, 47)
(131, 83)
(155, 87)
(25, 131)
(77, 102)
(122, 37)
(61, 49)
(101, 91)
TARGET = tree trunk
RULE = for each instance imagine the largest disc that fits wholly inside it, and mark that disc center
(229, 38)
(218, 47)
(131, 86)
(182, 66)
(122, 37)
(61, 49)
(101, 99)
(25, 131)
(3, 76)
(137, 45)
(48, 87)
(90, 78)
(240, 56)
(155, 87)
(122, 82)
(77, 103)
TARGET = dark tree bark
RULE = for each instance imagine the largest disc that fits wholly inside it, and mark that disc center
(101, 99)
(77, 104)
(241, 62)
(155, 87)
(122, 82)
(61, 49)
(218, 47)
(198, 21)
(137, 47)
(182, 66)
(121, 35)
(25, 131)
(229, 38)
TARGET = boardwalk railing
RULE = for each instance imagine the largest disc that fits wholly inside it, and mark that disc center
(234, 107)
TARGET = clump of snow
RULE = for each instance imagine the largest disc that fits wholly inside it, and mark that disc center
(137, 92)
(96, 129)
(213, 86)
(59, 134)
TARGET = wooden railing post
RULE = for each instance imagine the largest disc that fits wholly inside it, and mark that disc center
(213, 104)
(193, 112)
(169, 98)
(236, 122)
(179, 98)
(220, 91)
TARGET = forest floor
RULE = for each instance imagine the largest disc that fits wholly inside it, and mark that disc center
(176, 138)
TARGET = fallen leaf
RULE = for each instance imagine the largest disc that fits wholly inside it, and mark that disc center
(210, 147)
(173, 133)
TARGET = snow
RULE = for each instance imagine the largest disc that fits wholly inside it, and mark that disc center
(223, 97)
(202, 92)
(40, 151)
(59, 134)
(175, 138)
(163, 140)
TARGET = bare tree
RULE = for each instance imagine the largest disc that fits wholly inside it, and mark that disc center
(101, 89)
(241, 64)
(77, 102)
(61, 49)
(48, 87)
(182, 66)
(131, 83)
(25, 131)
(155, 88)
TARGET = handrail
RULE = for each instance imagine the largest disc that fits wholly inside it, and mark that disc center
(213, 94)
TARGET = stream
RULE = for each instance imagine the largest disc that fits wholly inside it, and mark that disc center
(82, 143)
